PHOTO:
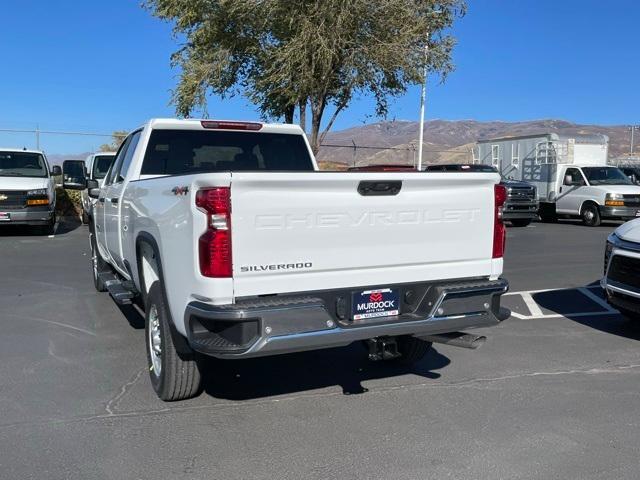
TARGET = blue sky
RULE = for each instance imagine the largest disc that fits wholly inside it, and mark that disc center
(102, 66)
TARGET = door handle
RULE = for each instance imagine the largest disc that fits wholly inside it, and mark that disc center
(114, 200)
(375, 187)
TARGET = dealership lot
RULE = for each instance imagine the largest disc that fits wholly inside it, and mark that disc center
(553, 394)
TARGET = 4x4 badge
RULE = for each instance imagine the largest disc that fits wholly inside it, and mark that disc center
(180, 190)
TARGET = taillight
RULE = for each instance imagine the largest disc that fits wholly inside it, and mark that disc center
(499, 231)
(217, 125)
(215, 243)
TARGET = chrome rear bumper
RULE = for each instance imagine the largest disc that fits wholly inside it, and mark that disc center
(283, 324)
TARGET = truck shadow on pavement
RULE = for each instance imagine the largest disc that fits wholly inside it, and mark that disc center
(588, 307)
(300, 372)
(347, 367)
(69, 224)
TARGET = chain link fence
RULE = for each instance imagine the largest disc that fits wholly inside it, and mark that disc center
(40, 139)
(331, 156)
(341, 157)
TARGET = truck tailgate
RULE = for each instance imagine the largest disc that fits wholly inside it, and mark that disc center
(295, 232)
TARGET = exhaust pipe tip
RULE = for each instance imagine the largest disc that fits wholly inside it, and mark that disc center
(457, 339)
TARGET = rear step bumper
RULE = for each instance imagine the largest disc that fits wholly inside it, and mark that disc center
(292, 323)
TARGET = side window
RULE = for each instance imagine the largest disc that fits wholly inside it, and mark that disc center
(576, 176)
(495, 155)
(515, 155)
(128, 156)
(117, 162)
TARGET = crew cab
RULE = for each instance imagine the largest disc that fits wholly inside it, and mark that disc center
(27, 189)
(97, 166)
(238, 247)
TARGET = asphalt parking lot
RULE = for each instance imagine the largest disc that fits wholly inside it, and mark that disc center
(555, 392)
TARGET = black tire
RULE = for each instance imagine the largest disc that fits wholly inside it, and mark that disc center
(98, 265)
(590, 215)
(521, 222)
(412, 350)
(547, 213)
(179, 377)
(49, 228)
(85, 217)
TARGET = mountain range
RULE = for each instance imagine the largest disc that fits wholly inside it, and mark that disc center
(444, 140)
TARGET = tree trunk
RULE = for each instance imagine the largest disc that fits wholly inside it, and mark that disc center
(317, 110)
(303, 114)
(288, 113)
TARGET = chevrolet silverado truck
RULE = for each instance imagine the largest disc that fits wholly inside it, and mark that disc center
(27, 190)
(238, 247)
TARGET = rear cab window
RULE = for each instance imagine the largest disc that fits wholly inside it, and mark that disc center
(184, 152)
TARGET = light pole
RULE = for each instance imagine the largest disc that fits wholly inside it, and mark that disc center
(632, 128)
(423, 96)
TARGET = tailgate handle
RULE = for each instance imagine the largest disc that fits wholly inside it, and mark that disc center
(377, 187)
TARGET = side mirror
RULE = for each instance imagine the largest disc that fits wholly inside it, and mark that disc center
(74, 175)
(93, 188)
(56, 171)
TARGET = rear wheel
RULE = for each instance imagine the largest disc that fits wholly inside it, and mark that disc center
(521, 222)
(590, 215)
(174, 375)
(411, 350)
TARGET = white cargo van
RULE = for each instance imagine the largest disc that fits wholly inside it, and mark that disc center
(27, 189)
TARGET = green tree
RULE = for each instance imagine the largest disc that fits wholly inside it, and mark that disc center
(117, 137)
(309, 55)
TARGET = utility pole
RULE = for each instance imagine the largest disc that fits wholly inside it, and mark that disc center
(632, 128)
(422, 102)
(37, 137)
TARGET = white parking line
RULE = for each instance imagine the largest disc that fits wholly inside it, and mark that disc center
(535, 312)
(531, 304)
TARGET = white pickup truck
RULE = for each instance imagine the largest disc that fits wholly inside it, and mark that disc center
(238, 248)
(97, 165)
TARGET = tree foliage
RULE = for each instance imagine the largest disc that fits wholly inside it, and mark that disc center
(117, 137)
(313, 55)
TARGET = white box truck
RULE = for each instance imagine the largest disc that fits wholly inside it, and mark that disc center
(570, 173)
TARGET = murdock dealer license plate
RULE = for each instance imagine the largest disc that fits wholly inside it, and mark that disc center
(5, 217)
(375, 303)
